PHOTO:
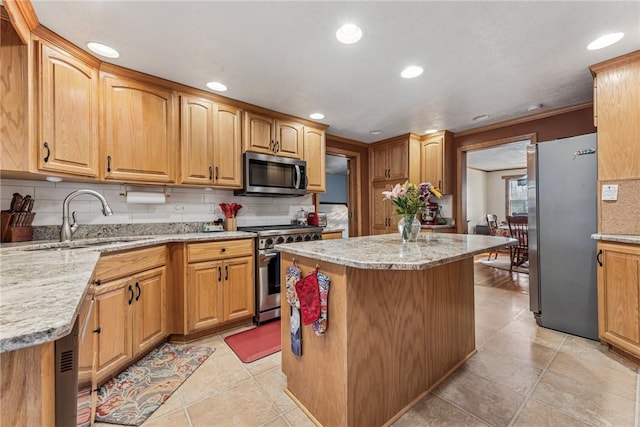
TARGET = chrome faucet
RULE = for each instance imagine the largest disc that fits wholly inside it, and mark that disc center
(67, 230)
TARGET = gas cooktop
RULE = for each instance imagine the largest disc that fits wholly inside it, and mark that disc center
(284, 228)
(270, 235)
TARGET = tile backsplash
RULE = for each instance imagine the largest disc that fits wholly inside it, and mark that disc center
(183, 205)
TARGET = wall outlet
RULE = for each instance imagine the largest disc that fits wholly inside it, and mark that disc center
(178, 208)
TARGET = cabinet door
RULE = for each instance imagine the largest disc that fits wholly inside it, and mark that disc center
(112, 314)
(239, 289)
(380, 218)
(227, 152)
(289, 139)
(86, 348)
(431, 155)
(68, 114)
(618, 109)
(138, 135)
(149, 317)
(196, 140)
(618, 296)
(204, 295)
(398, 161)
(315, 155)
(259, 133)
(379, 163)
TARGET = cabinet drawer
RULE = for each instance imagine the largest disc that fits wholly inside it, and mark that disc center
(130, 262)
(219, 250)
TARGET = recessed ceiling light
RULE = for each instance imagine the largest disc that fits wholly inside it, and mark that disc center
(317, 116)
(604, 41)
(103, 50)
(217, 86)
(534, 107)
(480, 118)
(376, 132)
(411, 72)
(430, 131)
(349, 34)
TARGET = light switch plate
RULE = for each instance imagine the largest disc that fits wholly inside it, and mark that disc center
(610, 192)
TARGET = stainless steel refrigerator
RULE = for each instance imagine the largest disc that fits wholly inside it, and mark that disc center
(562, 203)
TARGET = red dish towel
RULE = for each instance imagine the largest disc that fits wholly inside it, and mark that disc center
(309, 296)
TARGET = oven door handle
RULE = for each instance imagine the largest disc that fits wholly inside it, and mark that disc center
(268, 256)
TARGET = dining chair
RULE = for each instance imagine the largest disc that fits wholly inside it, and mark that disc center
(519, 230)
(492, 223)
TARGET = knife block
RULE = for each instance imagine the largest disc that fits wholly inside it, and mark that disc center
(12, 233)
(231, 224)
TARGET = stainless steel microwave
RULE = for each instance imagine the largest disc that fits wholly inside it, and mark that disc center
(265, 175)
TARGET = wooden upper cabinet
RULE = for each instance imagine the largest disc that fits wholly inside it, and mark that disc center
(289, 139)
(209, 143)
(227, 152)
(196, 140)
(67, 111)
(139, 134)
(617, 110)
(395, 160)
(314, 153)
(264, 134)
(436, 161)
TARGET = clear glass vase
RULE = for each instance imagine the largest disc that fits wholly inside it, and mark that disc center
(409, 228)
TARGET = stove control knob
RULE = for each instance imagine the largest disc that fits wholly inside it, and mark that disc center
(269, 241)
(280, 239)
(316, 236)
(307, 237)
(298, 238)
(289, 239)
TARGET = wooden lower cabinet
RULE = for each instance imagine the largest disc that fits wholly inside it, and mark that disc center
(130, 310)
(332, 235)
(131, 317)
(219, 291)
(619, 296)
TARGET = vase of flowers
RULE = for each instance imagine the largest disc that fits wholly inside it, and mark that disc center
(409, 200)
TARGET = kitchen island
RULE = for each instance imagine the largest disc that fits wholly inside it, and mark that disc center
(400, 320)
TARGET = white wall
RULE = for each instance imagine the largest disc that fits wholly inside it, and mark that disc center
(496, 191)
(476, 198)
(183, 205)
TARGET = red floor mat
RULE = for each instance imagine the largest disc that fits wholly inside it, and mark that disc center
(256, 343)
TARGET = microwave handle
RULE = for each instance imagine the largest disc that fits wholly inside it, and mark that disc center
(298, 176)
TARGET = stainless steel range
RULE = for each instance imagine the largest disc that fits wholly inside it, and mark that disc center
(268, 263)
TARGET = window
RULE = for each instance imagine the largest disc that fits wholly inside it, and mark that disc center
(516, 195)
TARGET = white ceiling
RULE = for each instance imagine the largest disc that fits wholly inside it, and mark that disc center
(480, 57)
(502, 157)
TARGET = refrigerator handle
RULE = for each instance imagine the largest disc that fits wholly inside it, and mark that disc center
(598, 258)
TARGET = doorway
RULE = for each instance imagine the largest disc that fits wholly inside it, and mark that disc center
(473, 181)
(341, 200)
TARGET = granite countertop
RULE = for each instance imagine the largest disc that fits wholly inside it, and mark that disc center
(619, 238)
(387, 252)
(42, 284)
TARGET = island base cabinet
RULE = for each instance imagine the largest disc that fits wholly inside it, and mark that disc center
(619, 297)
(392, 336)
(28, 387)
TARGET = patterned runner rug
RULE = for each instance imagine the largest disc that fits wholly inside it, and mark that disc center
(136, 393)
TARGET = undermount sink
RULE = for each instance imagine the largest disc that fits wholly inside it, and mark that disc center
(79, 244)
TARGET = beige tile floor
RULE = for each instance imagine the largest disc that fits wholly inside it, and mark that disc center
(522, 375)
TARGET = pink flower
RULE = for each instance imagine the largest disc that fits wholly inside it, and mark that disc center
(397, 191)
